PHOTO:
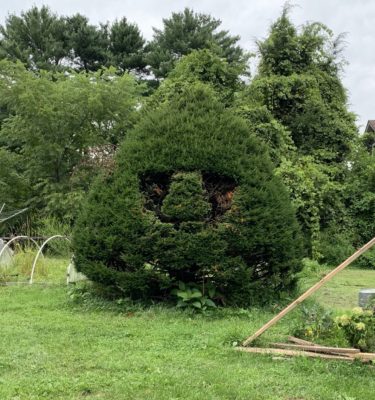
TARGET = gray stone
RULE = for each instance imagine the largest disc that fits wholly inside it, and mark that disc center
(6, 257)
(365, 297)
(73, 276)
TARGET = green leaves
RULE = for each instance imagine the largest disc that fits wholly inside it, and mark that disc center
(194, 194)
(359, 328)
(297, 105)
(189, 296)
(36, 38)
(63, 128)
(186, 200)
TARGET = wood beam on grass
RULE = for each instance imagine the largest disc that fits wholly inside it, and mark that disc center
(293, 353)
(365, 356)
(300, 341)
(316, 348)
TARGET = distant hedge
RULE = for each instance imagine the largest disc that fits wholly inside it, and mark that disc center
(192, 198)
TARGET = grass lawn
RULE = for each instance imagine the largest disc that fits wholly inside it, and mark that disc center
(341, 293)
(54, 348)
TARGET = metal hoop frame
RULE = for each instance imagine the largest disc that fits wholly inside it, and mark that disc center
(17, 238)
(40, 251)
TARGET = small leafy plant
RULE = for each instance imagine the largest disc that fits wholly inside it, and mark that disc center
(190, 296)
(317, 324)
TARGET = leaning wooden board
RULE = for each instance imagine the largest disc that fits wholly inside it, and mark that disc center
(309, 292)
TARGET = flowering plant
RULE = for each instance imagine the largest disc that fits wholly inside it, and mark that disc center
(359, 328)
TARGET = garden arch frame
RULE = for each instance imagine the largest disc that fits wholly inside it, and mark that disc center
(21, 237)
(40, 251)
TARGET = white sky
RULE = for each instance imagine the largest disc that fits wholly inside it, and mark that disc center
(250, 19)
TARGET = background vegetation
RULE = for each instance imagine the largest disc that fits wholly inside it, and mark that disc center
(71, 92)
(63, 112)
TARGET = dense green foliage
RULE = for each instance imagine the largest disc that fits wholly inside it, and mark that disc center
(299, 107)
(36, 38)
(193, 198)
(360, 199)
(63, 114)
(359, 328)
(60, 129)
(44, 40)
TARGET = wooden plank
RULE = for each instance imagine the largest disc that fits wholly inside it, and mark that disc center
(316, 348)
(292, 353)
(309, 292)
(368, 356)
(300, 341)
(365, 356)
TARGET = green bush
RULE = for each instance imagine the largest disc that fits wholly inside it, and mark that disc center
(367, 260)
(359, 328)
(334, 246)
(192, 198)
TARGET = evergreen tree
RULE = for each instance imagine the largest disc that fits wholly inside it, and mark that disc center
(126, 46)
(206, 67)
(87, 44)
(36, 38)
(187, 31)
(298, 80)
(42, 40)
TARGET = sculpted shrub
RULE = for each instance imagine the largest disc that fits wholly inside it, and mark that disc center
(192, 199)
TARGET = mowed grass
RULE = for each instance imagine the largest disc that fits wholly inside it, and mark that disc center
(341, 293)
(54, 348)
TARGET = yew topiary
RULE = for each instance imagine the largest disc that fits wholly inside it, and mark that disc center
(192, 198)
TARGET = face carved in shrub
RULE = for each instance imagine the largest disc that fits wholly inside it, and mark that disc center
(188, 196)
(188, 207)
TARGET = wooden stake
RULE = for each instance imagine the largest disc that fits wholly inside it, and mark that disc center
(309, 292)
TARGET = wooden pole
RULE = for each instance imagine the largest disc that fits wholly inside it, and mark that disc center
(309, 292)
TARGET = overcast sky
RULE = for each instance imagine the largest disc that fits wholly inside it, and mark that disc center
(250, 19)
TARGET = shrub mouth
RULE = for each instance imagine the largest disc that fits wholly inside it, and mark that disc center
(218, 191)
